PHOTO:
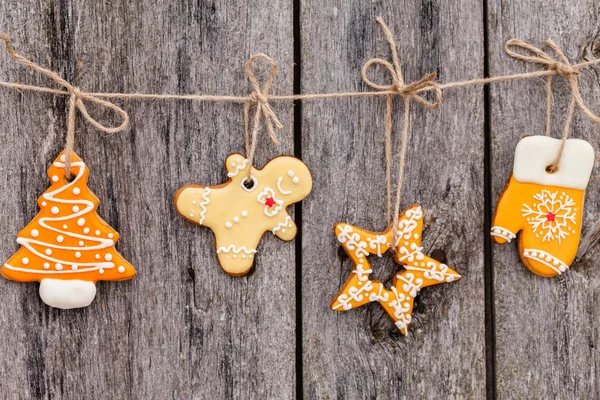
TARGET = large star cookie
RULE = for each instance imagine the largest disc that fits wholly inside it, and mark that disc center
(240, 211)
(420, 270)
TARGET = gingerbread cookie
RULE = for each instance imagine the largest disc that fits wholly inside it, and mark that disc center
(67, 247)
(420, 270)
(546, 207)
(240, 211)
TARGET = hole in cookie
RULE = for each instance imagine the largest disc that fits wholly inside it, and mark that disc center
(551, 169)
(248, 183)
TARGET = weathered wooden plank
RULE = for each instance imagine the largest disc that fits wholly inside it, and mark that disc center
(182, 328)
(546, 329)
(360, 354)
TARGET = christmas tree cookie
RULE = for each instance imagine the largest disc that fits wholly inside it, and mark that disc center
(67, 247)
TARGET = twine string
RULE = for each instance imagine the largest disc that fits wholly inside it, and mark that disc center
(76, 98)
(263, 108)
(562, 67)
(408, 92)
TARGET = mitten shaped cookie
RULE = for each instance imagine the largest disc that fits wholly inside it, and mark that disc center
(240, 211)
(545, 206)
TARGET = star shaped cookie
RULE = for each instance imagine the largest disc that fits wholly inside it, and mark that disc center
(241, 210)
(419, 270)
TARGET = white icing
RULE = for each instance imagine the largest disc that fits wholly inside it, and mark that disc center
(232, 249)
(534, 153)
(87, 206)
(238, 168)
(236, 219)
(547, 259)
(282, 224)
(25, 260)
(284, 192)
(203, 205)
(67, 294)
(290, 173)
(54, 178)
(377, 242)
(54, 210)
(296, 180)
(121, 269)
(35, 233)
(353, 241)
(228, 225)
(560, 206)
(502, 233)
(76, 190)
(275, 208)
(244, 213)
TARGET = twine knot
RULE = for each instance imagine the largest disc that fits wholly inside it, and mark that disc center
(561, 67)
(259, 96)
(397, 85)
(75, 103)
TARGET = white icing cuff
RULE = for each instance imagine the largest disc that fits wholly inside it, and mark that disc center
(67, 294)
(547, 259)
(534, 153)
(502, 233)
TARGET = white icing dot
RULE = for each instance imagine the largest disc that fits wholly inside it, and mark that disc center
(233, 164)
(243, 256)
(81, 243)
(555, 263)
(110, 235)
(81, 221)
(46, 265)
(58, 266)
(250, 256)
(244, 213)
(48, 251)
(25, 260)
(97, 233)
(228, 225)
(86, 230)
(416, 235)
(76, 190)
(296, 180)
(121, 269)
(234, 256)
(75, 209)
(101, 271)
(44, 203)
(77, 254)
(65, 226)
(193, 201)
(62, 158)
(191, 215)
(283, 231)
(54, 178)
(108, 257)
(97, 256)
(290, 173)
(562, 268)
(54, 210)
(74, 267)
(236, 219)
(35, 233)
(60, 238)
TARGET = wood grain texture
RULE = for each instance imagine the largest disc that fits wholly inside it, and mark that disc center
(546, 329)
(359, 354)
(182, 328)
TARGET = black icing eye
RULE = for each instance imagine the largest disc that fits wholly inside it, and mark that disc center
(248, 184)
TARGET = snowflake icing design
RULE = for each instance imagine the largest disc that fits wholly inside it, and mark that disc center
(552, 215)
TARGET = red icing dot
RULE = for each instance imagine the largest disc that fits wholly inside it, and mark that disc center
(550, 217)
(269, 202)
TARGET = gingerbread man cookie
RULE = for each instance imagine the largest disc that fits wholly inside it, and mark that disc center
(546, 207)
(67, 247)
(420, 270)
(240, 211)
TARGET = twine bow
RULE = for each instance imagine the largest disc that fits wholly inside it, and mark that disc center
(76, 98)
(408, 92)
(259, 96)
(561, 67)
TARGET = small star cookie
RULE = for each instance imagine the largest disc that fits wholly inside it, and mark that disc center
(420, 270)
(241, 210)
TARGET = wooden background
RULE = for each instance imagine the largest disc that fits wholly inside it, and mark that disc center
(183, 329)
